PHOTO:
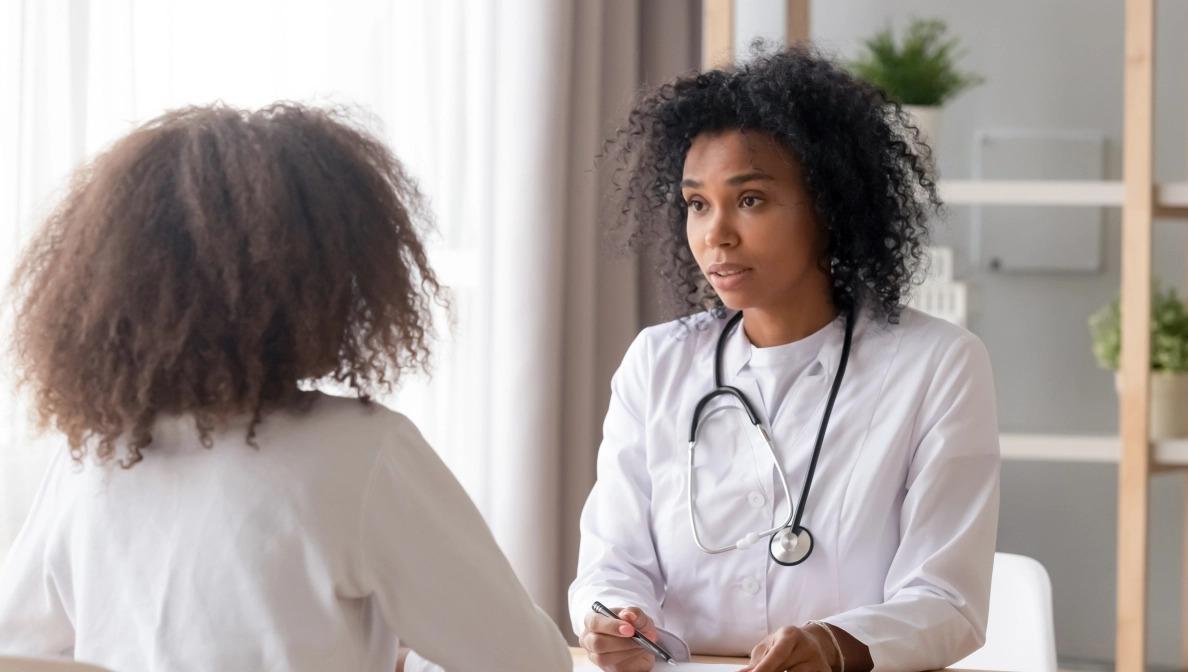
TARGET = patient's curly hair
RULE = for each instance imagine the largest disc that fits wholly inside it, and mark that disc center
(212, 259)
(863, 161)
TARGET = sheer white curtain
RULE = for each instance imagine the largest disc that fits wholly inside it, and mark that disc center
(496, 107)
(420, 73)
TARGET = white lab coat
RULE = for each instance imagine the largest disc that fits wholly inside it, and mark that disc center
(903, 507)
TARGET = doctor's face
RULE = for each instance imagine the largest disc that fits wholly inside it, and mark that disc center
(750, 222)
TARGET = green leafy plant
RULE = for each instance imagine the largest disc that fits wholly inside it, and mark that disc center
(920, 71)
(1169, 334)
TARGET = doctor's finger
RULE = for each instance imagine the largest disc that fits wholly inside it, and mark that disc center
(783, 654)
(599, 643)
(624, 661)
(608, 626)
(758, 651)
(641, 621)
(636, 617)
(794, 662)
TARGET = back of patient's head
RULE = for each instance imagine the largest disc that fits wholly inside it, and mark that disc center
(208, 262)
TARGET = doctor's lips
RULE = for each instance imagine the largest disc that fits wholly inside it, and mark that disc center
(727, 276)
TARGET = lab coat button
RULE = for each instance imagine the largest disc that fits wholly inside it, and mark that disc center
(750, 586)
(756, 499)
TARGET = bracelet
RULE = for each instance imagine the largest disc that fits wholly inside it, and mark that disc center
(841, 658)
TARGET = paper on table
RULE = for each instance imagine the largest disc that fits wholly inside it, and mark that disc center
(679, 667)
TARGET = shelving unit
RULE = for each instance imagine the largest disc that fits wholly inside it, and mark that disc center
(1031, 192)
(1085, 448)
(1105, 193)
(1141, 201)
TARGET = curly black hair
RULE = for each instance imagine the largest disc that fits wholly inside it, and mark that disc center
(864, 162)
(211, 261)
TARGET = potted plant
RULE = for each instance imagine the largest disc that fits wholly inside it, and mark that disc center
(920, 72)
(1169, 359)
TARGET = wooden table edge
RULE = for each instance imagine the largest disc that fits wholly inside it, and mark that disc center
(579, 656)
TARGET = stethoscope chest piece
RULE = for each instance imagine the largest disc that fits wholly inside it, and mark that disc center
(790, 548)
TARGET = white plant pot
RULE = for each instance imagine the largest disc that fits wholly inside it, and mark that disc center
(1169, 404)
(927, 118)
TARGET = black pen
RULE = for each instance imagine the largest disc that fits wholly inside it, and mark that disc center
(638, 637)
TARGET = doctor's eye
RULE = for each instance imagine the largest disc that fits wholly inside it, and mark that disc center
(695, 205)
(750, 201)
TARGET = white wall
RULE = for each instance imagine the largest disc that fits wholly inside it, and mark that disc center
(1050, 64)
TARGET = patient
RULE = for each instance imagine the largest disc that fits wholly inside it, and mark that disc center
(204, 513)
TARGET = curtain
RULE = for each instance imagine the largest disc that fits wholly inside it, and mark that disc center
(497, 108)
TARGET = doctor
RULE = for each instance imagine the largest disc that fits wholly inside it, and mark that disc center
(850, 523)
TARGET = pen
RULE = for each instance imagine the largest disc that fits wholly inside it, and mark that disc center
(638, 637)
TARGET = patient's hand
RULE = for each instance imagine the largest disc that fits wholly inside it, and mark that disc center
(608, 642)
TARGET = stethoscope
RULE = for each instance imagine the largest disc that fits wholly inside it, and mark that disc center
(790, 543)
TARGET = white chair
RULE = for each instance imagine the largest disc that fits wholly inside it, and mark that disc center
(1020, 636)
(8, 664)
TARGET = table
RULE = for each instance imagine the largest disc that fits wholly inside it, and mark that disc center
(579, 656)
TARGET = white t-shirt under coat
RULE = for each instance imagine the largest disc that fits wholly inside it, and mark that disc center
(777, 368)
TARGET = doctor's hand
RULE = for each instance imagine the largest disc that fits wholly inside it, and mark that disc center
(608, 642)
(806, 649)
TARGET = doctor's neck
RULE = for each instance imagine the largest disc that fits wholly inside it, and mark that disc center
(769, 326)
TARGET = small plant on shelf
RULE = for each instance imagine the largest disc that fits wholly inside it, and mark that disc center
(1169, 358)
(921, 70)
(1169, 334)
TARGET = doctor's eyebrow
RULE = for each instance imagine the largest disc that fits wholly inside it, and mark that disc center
(753, 176)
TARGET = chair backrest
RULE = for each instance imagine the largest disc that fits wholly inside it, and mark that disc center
(8, 664)
(1020, 635)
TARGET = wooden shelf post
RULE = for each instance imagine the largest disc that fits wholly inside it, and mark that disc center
(796, 23)
(717, 33)
(1134, 468)
(717, 29)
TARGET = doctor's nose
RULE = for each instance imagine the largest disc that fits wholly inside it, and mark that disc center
(720, 232)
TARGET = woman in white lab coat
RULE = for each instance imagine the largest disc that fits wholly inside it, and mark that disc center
(798, 196)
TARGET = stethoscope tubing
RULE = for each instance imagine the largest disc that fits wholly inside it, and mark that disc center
(783, 481)
(795, 514)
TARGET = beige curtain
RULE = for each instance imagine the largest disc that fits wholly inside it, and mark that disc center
(565, 304)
